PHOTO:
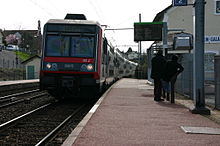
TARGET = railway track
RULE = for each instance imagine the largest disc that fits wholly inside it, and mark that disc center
(35, 118)
(15, 88)
(56, 130)
(14, 105)
(12, 99)
(41, 125)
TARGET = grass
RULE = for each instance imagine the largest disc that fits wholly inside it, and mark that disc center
(23, 56)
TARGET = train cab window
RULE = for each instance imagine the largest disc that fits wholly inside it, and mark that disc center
(82, 46)
(57, 46)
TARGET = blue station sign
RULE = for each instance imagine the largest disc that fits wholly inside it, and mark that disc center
(180, 2)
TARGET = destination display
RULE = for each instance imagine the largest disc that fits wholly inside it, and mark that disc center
(71, 28)
(148, 31)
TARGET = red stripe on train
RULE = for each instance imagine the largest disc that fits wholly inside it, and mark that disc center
(69, 60)
(95, 74)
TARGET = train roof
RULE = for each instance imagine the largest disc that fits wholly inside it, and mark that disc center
(69, 21)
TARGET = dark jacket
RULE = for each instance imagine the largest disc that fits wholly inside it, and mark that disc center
(158, 62)
(172, 68)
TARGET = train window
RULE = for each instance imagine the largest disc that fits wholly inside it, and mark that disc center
(57, 46)
(82, 46)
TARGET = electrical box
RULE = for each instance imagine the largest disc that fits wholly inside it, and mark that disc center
(183, 41)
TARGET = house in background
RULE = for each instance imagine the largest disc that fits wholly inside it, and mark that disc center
(28, 40)
(1, 39)
(32, 67)
(133, 55)
(182, 18)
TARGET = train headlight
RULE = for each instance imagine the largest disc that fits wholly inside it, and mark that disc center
(89, 67)
(51, 66)
(48, 65)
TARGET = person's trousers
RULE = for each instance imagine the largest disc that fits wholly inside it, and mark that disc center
(157, 89)
(173, 81)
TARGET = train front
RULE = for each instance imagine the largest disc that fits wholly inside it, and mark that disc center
(71, 57)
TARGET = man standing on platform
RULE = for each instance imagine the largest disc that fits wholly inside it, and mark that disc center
(171, 71)
(158, 62)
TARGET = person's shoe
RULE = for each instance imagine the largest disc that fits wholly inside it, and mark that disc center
(159, 100)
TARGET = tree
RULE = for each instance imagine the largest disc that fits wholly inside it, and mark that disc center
(129, 50)
(13, 39)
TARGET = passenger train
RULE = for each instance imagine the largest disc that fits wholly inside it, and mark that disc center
(77, 59)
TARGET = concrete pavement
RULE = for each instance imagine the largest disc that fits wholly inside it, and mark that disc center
(127, 115)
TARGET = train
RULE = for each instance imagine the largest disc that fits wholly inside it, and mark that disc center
(77, 58)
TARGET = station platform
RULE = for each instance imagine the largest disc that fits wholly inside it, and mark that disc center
(3, 83)
(11, 86)
(127, 115)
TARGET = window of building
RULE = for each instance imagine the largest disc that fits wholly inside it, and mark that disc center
(217, 7)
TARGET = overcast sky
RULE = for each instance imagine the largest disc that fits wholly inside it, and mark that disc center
(24, 14)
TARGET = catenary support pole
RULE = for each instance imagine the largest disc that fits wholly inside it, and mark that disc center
(198, 59)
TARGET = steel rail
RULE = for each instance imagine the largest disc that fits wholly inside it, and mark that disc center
(9, 123)
(22, 100)
(55, 131)
(18, 94)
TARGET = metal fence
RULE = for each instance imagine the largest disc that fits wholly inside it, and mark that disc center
(217, 82)
(184, 83)
(141, 74)
(8, 74)
(11, 74)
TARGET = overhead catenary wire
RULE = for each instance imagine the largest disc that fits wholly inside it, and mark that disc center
(96, 11)
(42, 8)
(119, 28)
(55, 8)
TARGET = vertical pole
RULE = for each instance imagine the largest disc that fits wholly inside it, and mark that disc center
(139, 52)
(139, 43)
(198, 60)
(149, 57)
(164, 35)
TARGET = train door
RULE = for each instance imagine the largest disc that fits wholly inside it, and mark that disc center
(104, 58)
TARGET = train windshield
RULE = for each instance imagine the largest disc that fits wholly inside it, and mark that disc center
(70, 46)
